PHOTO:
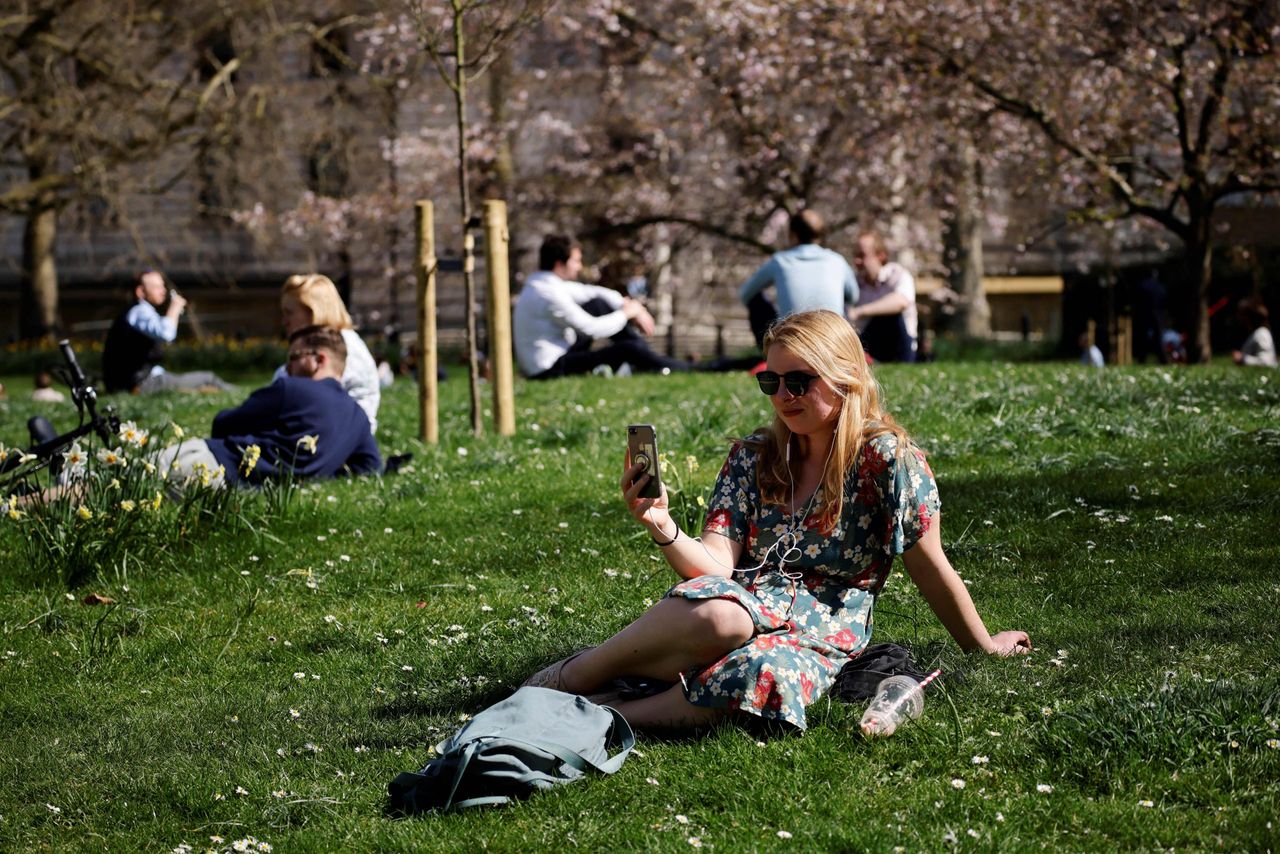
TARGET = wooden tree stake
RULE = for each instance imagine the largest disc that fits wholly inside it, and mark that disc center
(501, 374)
(425, 267)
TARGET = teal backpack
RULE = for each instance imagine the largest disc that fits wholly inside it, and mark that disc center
(535, 739)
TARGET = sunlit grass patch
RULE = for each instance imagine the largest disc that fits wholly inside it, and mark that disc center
(1126, 519)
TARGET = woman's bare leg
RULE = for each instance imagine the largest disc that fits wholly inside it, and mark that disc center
(671, 637)
(668, 710)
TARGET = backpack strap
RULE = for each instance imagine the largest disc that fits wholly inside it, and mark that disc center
(463, 761)
(582, 763)
(488, 801)
(620, 725)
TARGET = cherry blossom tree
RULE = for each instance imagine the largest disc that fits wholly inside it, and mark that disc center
(716, 120)
(99, 100)
(373, 76)
(1161, 110)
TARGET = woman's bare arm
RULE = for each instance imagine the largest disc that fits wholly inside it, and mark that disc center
(946, 594)
(714, 554)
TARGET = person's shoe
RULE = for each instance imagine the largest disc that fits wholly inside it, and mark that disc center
(602, 371)
(395, 462)
(624, 370)
(549, 676)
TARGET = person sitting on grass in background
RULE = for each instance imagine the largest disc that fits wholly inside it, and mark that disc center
(1259, 348)
(804, 277)
(800, 536)
(886, 314)
(44, 391)
(310, 299)
(557, 319)
(135, 343)
(303, 425)
(1090, 354)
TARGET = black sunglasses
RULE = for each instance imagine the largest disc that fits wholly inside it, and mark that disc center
(797, 382)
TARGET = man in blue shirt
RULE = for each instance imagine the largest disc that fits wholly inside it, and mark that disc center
(804, 277)
(303, 425)
(135, 343)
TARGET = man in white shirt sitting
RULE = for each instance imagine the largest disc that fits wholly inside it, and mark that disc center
(886, 311)
(557, 319)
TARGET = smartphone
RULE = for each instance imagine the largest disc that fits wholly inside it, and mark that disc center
(642, 449)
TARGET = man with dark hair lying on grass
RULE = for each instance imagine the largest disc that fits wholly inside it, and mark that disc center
(303, 425)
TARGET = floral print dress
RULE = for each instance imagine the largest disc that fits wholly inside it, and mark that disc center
(815, 614)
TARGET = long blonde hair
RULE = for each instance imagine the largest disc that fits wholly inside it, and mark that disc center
(826, 343)
(318, 293)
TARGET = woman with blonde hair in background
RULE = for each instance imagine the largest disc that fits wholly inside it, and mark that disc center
(311, 299)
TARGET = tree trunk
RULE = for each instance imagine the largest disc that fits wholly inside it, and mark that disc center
(504, 163)
(1200, 270)
(392, 106)
(962, 240)
(39, 304)
(468, 239)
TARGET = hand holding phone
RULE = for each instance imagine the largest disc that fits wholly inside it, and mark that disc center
(642, 451)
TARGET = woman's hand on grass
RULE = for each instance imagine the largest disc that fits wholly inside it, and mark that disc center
(1010, 643)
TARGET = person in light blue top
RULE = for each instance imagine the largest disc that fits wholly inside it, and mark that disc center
(135, 343)
(805, 277)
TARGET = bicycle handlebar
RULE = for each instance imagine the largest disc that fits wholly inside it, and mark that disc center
(69, 356)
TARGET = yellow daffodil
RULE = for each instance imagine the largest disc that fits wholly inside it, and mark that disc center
(84, 512)
(127, 505)
(249, 459)
(9, 507)
(308, 443)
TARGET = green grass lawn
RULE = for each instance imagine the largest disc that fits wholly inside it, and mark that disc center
(269, 676)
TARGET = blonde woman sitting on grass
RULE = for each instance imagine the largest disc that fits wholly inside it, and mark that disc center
(311, 299)
(800, 536)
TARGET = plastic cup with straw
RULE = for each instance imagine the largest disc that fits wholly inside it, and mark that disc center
(898, 699)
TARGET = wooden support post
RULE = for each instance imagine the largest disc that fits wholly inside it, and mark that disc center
(425, 268)
(501, 372)
(1124, 340)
